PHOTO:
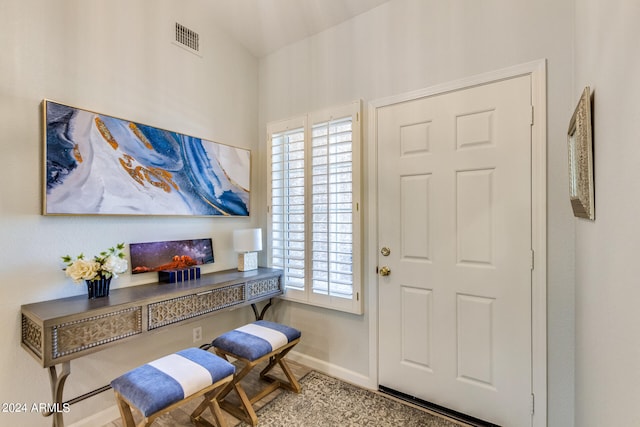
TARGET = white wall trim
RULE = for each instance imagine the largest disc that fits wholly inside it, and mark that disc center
(333, 370)
(539, 241)
(371, 260)
(538, 72)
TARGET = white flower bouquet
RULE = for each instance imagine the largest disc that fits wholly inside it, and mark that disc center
(108, 264)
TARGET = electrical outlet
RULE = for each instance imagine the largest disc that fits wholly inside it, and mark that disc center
(197, 334)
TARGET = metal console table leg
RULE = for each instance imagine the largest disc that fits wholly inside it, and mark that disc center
(57, 387)
(260, 316)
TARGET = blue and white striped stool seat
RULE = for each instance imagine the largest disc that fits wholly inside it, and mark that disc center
(170, 379)
(254, 340)
(250, 345)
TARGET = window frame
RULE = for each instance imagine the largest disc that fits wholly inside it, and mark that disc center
(307, 122)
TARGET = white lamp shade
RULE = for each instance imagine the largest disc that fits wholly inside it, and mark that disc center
(249, 240)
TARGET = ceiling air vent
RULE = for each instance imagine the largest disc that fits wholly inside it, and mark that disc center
(188, 39)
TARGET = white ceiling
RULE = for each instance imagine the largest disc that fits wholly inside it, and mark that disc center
(264, 26)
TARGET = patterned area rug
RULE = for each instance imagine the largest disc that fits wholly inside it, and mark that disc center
(327, 401)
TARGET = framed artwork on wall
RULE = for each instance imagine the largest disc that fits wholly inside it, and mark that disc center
(170, 255)
(95, 164)
(580, 146)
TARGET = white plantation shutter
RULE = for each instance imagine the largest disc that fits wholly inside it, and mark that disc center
(287, 206)
(332, 208)
(314, 226)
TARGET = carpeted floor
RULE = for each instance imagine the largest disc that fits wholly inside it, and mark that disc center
(327, 401)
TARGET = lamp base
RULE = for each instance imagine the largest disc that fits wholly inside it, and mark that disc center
(247, 261)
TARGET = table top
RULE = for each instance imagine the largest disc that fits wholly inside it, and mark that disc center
(149, 292)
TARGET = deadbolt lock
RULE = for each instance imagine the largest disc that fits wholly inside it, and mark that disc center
(385, 251)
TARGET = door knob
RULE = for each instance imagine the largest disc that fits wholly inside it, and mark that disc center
(385, 271)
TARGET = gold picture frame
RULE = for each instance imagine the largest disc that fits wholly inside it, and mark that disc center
(580, 144)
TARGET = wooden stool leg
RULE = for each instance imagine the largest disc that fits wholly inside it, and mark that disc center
(293, 385)
(245, 411)
(248, 366)
(125, 411)
(278, 359)
(275, 359)
(217, 413)
(211, 401)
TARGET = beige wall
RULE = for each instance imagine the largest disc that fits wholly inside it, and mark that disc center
(115, 57)
(406, 45)
(607, 289)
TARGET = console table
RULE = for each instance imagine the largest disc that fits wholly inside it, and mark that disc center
(58, 331)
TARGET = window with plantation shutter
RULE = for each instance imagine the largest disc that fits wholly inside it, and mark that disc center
(331, 207)
(314, 211)
(287, 205)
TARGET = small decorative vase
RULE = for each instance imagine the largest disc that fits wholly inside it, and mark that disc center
(98, 288)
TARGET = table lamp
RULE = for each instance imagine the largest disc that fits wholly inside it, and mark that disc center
(247, 243)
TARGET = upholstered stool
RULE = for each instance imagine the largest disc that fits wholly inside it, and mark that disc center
(252, 344)
(164, 384)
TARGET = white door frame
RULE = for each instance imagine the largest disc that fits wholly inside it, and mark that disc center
(538, 72)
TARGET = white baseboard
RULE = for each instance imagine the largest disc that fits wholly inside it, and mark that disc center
(99, 418)
(333, 370)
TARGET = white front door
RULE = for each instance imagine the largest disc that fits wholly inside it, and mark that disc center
(454, 195)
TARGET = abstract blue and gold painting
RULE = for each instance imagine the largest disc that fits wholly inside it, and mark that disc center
(102, 165)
